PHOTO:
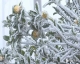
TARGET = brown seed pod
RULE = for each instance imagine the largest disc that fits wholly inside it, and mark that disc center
(44, 15)
(35, 34)
(76, 21)
(16, 9)
(1, 57)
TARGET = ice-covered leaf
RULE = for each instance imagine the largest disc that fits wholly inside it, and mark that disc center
(48, 3)
(54, 13)
(32, 13)
(58, 59)
(6, 38)
(31, 52)
(21, 61)
(19, 3)
(60, 28)
(78, 56)
(37, 62)
(23, 20)
(43, 58)
(46, 25)
(22, 52)
(11, 15)
(73, 31)
(37, 7)
(28, 60)
(33, 47)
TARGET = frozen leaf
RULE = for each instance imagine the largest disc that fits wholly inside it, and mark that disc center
(53, 21)
(48, 3)
(51, 33)
(28, 60)
(23, 20)
(22, 52)
(57, 46)
(58, 59)
(7, 18)
(44, 59)
(31, 52)
(37, 62)
(11, 15)
(6, 38)
(23, 12)
(37, 7)
(32, 13)
(22, 61)
(60, 28)
(78, 56)
(61, 18)
(54, 13)
(33, 48)
(46, 25)
(19, 3)
(73, 31)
